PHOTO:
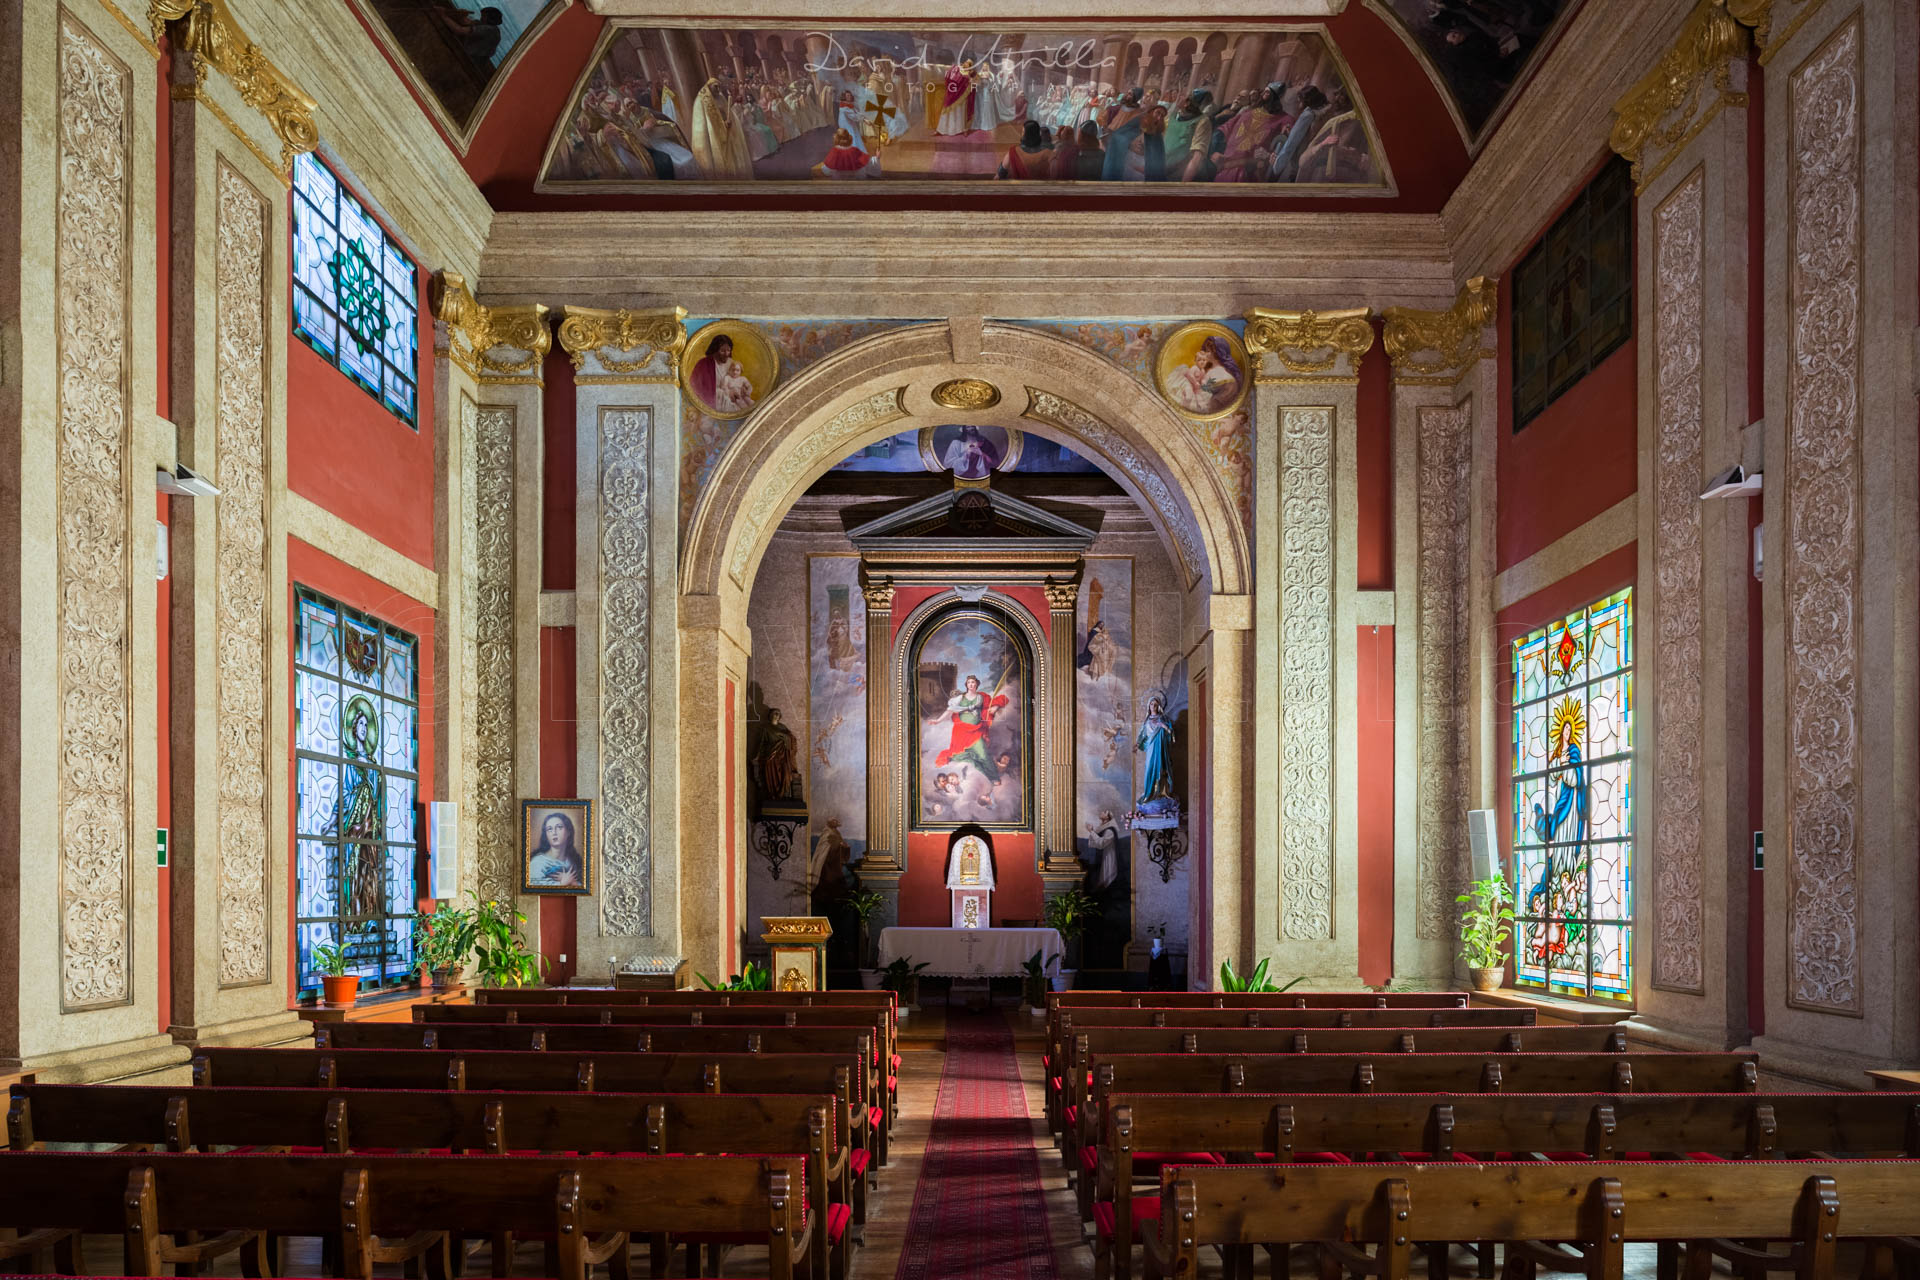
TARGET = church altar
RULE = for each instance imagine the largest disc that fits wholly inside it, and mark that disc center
(969, 953)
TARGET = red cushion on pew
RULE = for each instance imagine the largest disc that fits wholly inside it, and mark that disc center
(1145, 1209)
(859, 1160)
(1073, 1115)
(895, 1062)
(876, 1055)
(876, 1115)
(838, 1216)
(1305, 1157)
(1058, 1083)
(1089, 1158)
(1149, 1163)
(893, 1082)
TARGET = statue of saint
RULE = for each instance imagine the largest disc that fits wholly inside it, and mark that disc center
(776, 766)
(1156, 740)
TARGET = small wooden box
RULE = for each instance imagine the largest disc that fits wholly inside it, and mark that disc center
(675, 981)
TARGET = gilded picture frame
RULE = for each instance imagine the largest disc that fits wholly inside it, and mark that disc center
(557, 845)
(730, 381)
(1201, 370)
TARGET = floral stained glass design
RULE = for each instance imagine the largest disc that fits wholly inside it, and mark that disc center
(355, 294)
(356, 773)
(1573, 803)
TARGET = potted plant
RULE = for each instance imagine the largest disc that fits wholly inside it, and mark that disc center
(1255, 981)
(339, 988)
(864, 903)
(1069, 914)
(1485, 926)
(754, 979)
(1033, 983)
(902, 977)
(442, 941)
(500, 955)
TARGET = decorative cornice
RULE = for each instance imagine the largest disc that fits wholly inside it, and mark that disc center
(879, 595)
(1664, 110)
(1760, 15)
(206, 31)
(586, 331)
(493, 344)
(1310, 341)
(1061, 596)
(1441, 344)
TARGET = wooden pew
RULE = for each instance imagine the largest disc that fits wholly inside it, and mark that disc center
(1463, 1073)
(1062, 1023)
(553, 1072)
(341, 1121)
(592, 1038)
(1365, 1219)
(1468, 1126)
(591, 1206)
(1258, 999)
(1595, 1039)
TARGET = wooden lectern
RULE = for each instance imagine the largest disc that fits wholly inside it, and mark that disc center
(799, 945)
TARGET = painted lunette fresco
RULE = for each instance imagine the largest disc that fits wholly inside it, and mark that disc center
(1203, 109)
(458, 52)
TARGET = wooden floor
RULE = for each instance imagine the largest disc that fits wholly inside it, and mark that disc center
(922, 1053)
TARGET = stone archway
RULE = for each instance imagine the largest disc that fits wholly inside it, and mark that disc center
(898, 381)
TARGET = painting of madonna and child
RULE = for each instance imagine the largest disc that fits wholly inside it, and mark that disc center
(972, 693)
(1203, 109)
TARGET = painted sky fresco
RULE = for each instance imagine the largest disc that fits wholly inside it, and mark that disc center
(1195, 108)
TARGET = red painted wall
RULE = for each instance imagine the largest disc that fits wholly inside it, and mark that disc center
(730, 919)
(308, 566)
(1373, 450)
(1200, 900)
(923, 888)
(1032, 599)
(559, 776)
(1374, 828)
(1601, 578)
(560, 456)
(349, 455)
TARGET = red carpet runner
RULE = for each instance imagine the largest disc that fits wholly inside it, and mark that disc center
(978, 1210)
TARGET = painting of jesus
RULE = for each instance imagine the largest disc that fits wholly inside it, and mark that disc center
(971, 696)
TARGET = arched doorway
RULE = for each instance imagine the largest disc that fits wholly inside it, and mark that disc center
(922, 376)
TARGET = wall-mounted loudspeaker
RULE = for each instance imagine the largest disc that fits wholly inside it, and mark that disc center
(1481, 839)
(443, 849)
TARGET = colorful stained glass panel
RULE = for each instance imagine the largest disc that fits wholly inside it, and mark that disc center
(1573, 802)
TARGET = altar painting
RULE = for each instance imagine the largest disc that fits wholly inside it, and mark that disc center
(1057, 109)
(972, 696)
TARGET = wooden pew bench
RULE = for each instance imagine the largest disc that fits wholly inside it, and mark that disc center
(383, 1121)
(1321, 1128)
(551, 1072)
(591, 1207)
(1366, 1218)
(1594, 1039)
(1462, 1073)
(1258, 999)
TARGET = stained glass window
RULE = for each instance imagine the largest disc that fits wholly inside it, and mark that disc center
(355, 294)
(1573, 803)
(356, 773)
(1573, 293)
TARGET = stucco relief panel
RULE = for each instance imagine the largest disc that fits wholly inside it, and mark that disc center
(1306, 673)
(1446, 448)
(240, 631)
(626, 614)
(1822, 570)
(91, 267)
(495, 838)
(1675, 856)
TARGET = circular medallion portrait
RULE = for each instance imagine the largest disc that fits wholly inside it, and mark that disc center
(728, 367)
(1202, 370)
(970, 452)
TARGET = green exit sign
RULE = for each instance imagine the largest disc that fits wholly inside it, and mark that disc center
(160, 843)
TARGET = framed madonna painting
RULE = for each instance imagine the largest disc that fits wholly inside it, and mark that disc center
(556, 846)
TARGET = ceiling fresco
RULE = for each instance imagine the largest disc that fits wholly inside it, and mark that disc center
(972, 453)
(457, 52)
(1214, 110)
(1479, 50)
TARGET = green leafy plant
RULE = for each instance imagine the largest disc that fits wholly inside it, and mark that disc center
(865, 904)
(1034, 984)
(443, 937)
(501, 957)
(1486, 923)
(1071, 912)
(330, 960)
(899, 976)
(754, 979)
(1255, 981)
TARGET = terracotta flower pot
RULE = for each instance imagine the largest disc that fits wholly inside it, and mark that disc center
(1488, 979)
(342, 990)
(447, 977)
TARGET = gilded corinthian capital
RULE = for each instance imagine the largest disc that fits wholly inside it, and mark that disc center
(205, 31)
(588, 331)
(1441, 344)
(1685, 89)
(491, 343)
(1310, 342)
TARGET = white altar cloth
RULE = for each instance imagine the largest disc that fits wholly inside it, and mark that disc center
(969, 953)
